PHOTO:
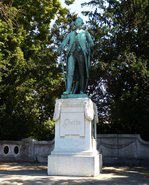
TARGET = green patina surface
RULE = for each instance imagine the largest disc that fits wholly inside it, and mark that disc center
(65, 96)
(78, 43)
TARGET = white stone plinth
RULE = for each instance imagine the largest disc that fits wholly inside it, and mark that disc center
(75, 150)
(74, 165)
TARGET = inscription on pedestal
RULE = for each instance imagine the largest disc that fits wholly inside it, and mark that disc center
(72, 124)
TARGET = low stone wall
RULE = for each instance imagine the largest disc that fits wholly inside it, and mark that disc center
(123, 148)
(26, 150)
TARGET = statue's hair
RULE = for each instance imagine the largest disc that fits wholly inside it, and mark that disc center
(80, 19)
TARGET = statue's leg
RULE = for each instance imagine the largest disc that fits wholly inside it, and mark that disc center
(70, 74)
(81, 71)
(76, 87)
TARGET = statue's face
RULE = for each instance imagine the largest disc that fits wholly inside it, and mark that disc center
(79, 22)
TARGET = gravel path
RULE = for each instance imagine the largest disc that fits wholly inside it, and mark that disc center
(36, 174)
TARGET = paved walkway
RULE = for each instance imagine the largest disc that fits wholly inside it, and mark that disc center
(33, 174)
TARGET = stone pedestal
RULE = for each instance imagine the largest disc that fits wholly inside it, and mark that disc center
(75, 150)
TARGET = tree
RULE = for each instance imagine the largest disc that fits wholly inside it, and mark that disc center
(30, 78)
(121, 29)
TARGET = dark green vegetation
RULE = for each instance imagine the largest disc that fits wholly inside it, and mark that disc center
(121, 32)
(31, 79)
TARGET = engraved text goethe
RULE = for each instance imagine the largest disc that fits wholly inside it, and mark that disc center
(72, 125)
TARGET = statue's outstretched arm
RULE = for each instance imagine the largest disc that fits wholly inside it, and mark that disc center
(64, 43)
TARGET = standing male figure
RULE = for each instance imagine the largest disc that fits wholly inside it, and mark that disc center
(79, 44)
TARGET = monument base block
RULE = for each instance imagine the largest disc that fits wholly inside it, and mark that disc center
(75, 150)
(74, 165)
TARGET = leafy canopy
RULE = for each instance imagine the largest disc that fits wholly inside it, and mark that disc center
(121, 65)
(30, 79)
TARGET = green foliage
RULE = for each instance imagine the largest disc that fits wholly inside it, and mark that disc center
(129, 89)
(30, 79)
(119, 26)
(120, 29)
(41, 131)
(69, 2)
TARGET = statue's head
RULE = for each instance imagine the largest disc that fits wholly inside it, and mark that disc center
(79, 22)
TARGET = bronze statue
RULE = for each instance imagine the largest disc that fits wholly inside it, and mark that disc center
(79, 43)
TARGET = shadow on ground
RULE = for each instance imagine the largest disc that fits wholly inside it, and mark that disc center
(30, 175)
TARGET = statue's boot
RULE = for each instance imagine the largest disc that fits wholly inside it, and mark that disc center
(76, 87)
(81, 86)
(69, 85)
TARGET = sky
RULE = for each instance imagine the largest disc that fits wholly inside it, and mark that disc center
(76, 7)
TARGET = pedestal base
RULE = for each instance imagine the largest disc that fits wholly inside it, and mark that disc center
(74, 165)
(75, 150)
